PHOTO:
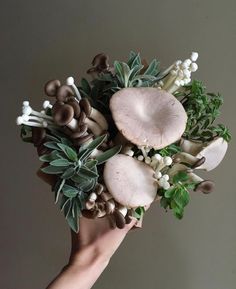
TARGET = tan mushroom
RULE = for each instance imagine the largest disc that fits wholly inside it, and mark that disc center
(148, 116)
(214, 153)
(129, 181)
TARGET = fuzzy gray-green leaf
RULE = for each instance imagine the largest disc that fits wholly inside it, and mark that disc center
(108, 154)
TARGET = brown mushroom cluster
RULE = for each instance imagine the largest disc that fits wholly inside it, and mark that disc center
(77, 117)
(101, 203)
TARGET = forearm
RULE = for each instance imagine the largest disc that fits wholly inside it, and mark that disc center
(82, 271)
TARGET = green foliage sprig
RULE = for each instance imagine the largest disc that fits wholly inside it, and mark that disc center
(202, 109)
(177, 196)
(76, 172)
(126, 74)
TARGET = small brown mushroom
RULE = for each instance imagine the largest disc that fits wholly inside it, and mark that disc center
(63, 114)
(64, 92)
(120, 219)
(100, 63)
(147, 116)
(51, 87)
(129, 181)
(75, 104)
(205, 187)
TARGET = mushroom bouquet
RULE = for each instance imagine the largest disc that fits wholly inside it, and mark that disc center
(133, 135)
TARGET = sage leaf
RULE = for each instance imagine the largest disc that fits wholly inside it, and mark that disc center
(84, 171)
(60, 163)
(69, 152)
(68, 173)
(52, 145)
(53, 170)
(69, 191)
(108, 154)
(58, 190)
(96, 142)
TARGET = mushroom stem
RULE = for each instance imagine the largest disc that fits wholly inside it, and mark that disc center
(73, 124)
(94, 127)
(191, 147)
(99, 118)
(195, 178)
(175, 169)
(26, 109)
(185, 158)
(20, 120)
(70, 81)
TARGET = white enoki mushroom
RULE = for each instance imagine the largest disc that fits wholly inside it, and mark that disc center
(27, 109)
(33, 118)
(70, 81)
(47, 104)
(179, 74)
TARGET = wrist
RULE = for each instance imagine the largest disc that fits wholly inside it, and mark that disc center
(88, 257)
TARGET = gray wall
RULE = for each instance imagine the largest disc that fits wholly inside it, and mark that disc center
(46, 39)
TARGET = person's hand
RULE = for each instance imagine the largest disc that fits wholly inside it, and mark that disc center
(91, 251)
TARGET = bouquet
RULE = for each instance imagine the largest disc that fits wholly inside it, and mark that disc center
(133, 135)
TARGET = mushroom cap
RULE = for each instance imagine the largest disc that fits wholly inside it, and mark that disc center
(129, 181)
(205, 187)
(148, 116)
(64, 92)
(51, 87)
(214, 153)
(63, 114)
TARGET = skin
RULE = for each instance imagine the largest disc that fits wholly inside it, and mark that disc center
(91, 251)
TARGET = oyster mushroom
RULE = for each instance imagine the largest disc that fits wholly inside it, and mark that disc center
(148, 116)
(129, 181)
(214, 153)
(187, 158)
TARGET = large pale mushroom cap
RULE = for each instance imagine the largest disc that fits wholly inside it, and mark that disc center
(129, 181)
(148, 116)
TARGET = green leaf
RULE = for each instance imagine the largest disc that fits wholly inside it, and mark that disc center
(152, 68)
(91, 164)
(96, 142)
(78, 178)
(85, 86)
(73, 223)
(87, 185)
(87, 173)
(68, 173)
(60, 163)
(181, 197)
(52, 145)
(61, 183)
(49, 157)
(170, 192)
(180, 177)
(69, 152)
(108, 154)
(53, 170)
(69, 191)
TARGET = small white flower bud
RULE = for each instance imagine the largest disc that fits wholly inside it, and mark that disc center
(26, 103)
(19, 120)
(130, 153)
